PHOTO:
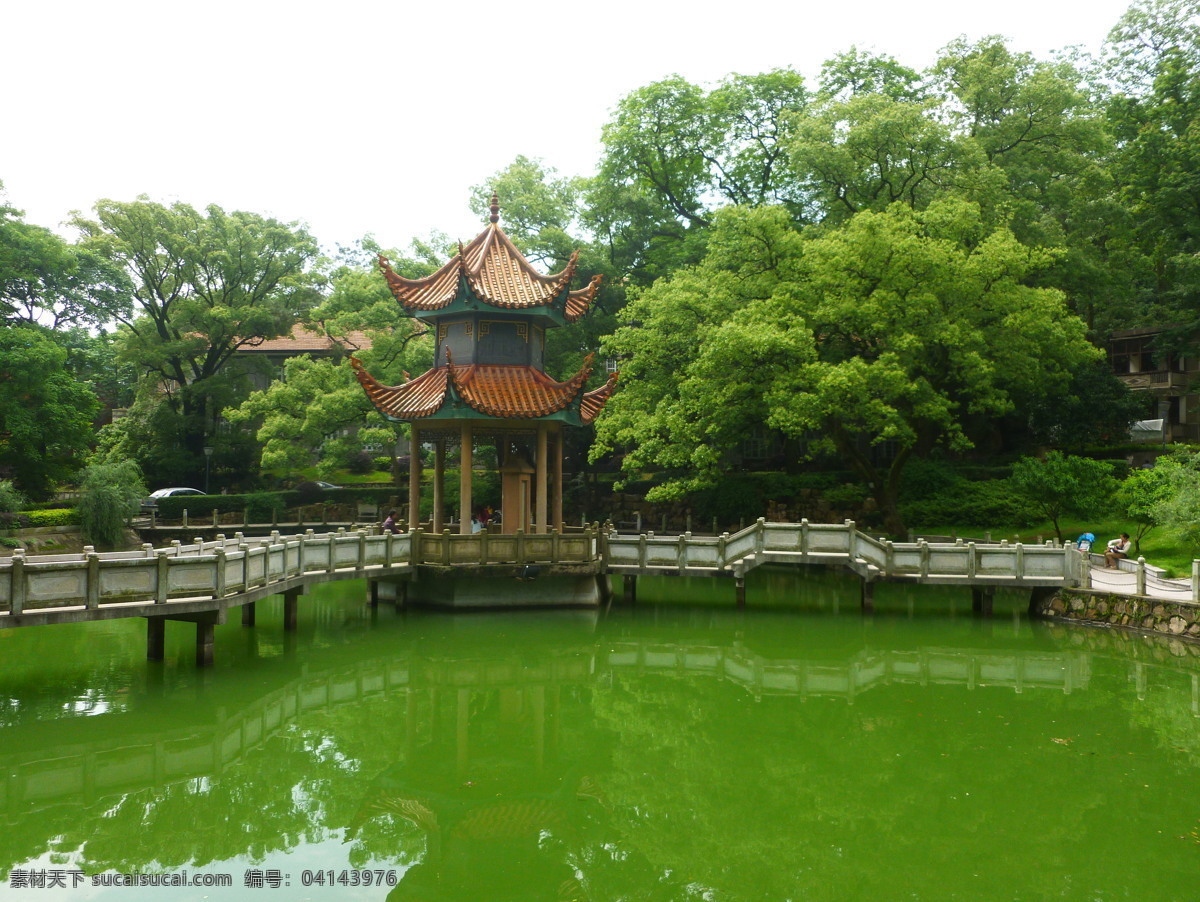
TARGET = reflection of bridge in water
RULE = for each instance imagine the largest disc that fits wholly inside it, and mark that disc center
(85, 759)
(1018, 670)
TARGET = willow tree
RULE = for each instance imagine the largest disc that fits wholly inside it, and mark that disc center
(875, 340)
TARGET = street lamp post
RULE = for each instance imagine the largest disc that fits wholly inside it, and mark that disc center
(207, 461)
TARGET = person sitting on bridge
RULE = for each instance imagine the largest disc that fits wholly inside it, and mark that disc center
(390, 524)
(1117, 549)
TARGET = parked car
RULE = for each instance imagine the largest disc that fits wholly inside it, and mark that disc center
(151, 503)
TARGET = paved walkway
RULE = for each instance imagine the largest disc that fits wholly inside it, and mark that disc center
(1124, 582)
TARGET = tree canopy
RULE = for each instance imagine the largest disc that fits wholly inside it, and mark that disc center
(205, 285)
(872, 341)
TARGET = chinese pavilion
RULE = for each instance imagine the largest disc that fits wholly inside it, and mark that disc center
(489, 310)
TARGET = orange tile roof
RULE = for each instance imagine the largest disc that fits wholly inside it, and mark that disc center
(497, 274)
(515, 392)
(593, 402)
(414, 399)
(302, 340)
(505, 392)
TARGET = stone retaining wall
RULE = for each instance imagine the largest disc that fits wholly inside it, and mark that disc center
(1136, 612)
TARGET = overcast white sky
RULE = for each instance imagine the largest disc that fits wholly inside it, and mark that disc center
(360, 116)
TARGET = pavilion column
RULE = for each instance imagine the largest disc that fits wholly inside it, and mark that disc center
(464, 481)
(542, 506)
(414, 478)
(558, 478)
(439, 485)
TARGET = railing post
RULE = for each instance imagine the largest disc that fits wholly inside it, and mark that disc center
(804, 536)
(1141, 576)
(446, 547)
(554, 549)
(362, 549)
(971, 560)
(332, 553)
(681, 559)
(216, 522)
(923, 553)
(642, 551)
(1020, 561)
(483, 547)
(1085, 570)
(185, 518)
(148, 549)
(721, 542)
(162, 583)
(93, 580)
(889, 557)
(387, 549)
(219, 575)
(244, 547)
(760, 536)
(17, 590)
(1196, 581)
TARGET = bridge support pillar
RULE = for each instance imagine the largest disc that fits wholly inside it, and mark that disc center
(248, 614)
(740, 591)
(373, 588)
(868, 597)
(205, 641)
(605, 587)
(630, 589)
(981, 601)
(156, 632)
(291, 602)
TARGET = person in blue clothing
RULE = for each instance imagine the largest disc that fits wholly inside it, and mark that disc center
(1084, 542)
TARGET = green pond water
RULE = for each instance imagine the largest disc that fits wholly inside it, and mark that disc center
(678, 750)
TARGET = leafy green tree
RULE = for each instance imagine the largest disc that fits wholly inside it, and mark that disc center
(674, 153)
(1153, 59)
(1058, 485)
(110, 497)
(46, 281)
(1091, 407)
(855, 72)
(205, 285)
(873, 150)
(876, 341)
(45, 413)
(1140, 495)
(317, 410)
(538, 210)
(1177, 498)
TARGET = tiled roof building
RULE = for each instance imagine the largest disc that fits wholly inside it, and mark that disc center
(489, 310)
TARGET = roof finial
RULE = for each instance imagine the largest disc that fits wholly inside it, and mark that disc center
(495, 217)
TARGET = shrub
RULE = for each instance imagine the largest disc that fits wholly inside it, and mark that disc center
(260, 506)
(11, 500)
(61, 516)
(111, 494)
(983, 504)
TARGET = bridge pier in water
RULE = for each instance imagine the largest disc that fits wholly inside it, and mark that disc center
(248, 614)
(982, 598)
(206, 622)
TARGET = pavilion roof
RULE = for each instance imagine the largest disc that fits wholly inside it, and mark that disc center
(501, 391)
(495, 273)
